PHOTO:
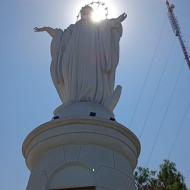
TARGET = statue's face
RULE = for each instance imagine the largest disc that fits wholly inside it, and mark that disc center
(86, 13)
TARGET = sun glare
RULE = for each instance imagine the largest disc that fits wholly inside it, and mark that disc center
(98, 14)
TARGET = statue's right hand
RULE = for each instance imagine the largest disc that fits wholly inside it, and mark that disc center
(48, 29)
(36, 29)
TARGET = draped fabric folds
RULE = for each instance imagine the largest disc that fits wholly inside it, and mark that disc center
(84, 61)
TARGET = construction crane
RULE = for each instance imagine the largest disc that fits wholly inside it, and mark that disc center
(176, 29)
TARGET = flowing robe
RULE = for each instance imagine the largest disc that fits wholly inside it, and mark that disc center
(84, 61)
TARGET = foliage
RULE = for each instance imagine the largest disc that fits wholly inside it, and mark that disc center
(167, 178)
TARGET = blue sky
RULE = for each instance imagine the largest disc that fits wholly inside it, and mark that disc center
(148, 45)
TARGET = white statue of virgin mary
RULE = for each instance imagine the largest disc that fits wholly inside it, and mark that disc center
(84, 60)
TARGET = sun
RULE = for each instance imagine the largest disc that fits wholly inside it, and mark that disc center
(99, 14)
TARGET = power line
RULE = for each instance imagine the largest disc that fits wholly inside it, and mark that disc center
(148, 72)
(181, 15)
(156, 89)
(164, 117)
(188, 174)
(180, 126)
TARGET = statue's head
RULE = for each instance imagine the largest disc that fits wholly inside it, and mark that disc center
(86, 12)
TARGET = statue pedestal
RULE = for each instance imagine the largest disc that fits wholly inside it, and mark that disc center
(81, 152)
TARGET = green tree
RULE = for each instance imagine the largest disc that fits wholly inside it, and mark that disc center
(167, 178)
(145, 179)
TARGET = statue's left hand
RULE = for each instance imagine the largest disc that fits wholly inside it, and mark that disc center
(122, 17)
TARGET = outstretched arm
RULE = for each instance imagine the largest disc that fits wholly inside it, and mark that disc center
(122, 17)
(116, 22)
(49, 30)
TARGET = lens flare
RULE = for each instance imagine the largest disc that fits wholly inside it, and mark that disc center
(98, 14)
(99, 11)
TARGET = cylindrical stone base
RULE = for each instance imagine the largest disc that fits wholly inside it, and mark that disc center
(72, 153)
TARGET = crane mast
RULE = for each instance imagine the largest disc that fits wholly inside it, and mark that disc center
(177, 31)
